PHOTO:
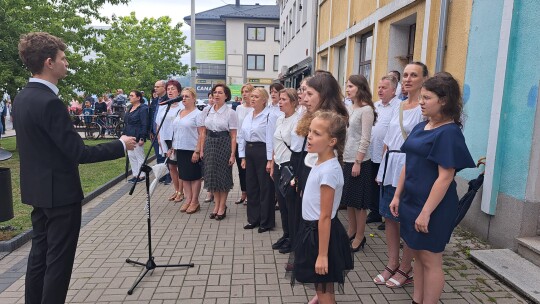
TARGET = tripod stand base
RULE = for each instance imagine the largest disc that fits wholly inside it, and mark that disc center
(150, 265)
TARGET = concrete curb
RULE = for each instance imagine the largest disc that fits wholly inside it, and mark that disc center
(21, 239)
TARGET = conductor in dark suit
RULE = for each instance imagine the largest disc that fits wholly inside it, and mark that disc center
(50, 151)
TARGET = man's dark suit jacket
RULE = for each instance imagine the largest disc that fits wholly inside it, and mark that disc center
(51, 150)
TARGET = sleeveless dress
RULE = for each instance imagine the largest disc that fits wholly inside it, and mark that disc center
(425, 151)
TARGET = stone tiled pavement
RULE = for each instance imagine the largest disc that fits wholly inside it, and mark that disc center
(232, 265)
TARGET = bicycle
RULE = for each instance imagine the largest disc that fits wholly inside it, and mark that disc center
(110, 124)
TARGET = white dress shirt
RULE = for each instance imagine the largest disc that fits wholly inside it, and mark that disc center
(51, 85)
(224, 119)
(185, 131)
(166, 131)
(241, 112)
(384, 115)
(282, 137)
(257, 129)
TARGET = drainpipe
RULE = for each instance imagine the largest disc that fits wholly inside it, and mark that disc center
(443, 23)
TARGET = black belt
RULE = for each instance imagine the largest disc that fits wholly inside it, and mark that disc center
(217, 133)
(255, 143)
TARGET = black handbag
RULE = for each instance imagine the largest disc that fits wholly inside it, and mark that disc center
(286, 174)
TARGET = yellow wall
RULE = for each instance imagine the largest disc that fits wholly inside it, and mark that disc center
(384, 2)
(350, 57)
(361, 9)
(340, 15)
(379, 67)
(457, 38)
(324, 23)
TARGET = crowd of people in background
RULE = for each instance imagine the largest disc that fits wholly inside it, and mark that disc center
(312, 150)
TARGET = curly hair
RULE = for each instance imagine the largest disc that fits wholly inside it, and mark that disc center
(337, 129)
(446, 87)
(331, 99)
(36, 47)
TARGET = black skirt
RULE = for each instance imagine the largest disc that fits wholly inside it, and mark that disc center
(358, 191)
(188, 170)
(306, 249)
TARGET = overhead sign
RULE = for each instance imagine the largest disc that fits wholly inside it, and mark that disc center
(210, 51)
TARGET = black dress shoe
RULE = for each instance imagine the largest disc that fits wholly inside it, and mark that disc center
(279, 243)
(251, 226)
(286, 247)
(373, 217)
(263, 230)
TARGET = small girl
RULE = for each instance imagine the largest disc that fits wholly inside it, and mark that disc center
(322, 252)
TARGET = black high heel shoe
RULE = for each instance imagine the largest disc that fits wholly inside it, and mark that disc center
(240, 201)
(361, 246)
(352, 237)
(212, 215)
(219, 217)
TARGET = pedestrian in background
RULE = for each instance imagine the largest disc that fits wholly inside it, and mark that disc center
(426, 199)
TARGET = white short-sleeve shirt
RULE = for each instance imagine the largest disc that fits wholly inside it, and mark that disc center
(185, 131)
(224, 119)
(282, 137)
(378, 132)
(327, 173)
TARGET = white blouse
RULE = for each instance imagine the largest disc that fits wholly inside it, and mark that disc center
(257, 129)
(185, 131)
(327, 173)
(224, 119)
(358, 133)
(282, 137)
(394, 140)
(378, 132)
(166, 131)
(241, 112)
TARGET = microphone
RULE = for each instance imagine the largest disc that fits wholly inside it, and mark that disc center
(171, 101)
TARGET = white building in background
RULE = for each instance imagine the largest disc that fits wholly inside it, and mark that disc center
(298, 32)
(236, 44)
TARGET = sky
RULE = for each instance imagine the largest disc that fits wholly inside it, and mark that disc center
(175, 9)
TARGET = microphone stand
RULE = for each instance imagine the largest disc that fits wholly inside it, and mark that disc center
(149, 264)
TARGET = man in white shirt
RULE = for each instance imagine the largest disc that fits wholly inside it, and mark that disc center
(386, 91)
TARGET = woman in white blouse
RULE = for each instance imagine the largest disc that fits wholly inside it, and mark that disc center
(288, 101)
(405, 117)
(241, 111)
(165, 137)
(219, 148)
(255, 150)
(357, 170)
(187, 145)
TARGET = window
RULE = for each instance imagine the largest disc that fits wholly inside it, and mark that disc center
(276, 63)
(410, 47)
(255, 62)
(304, 12)
(291, 25)
(256, 33)
(341, 64)
(293, 19)
(366, 46)
(276, 34)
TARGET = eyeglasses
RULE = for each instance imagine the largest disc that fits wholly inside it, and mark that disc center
(186, 96)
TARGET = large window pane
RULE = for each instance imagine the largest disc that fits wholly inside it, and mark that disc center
(251, 33)
(251, 62)
(261, 33)
(276, 62)
(260, 62)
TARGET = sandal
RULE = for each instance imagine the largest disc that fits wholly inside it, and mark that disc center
(396, 283)
(185, 207)
(380, 280)
(179, 197)
(193, 208)
(172, 197)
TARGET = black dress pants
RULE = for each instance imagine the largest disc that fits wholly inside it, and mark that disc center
(259, 186)
(241, 171)
(286, 204)
(50, 262)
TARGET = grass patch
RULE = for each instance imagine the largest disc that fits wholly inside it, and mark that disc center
(92, 177)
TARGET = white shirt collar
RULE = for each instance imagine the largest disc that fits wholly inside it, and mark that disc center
(391, 102)
(51, 86)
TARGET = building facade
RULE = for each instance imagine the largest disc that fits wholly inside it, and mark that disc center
(236, 44)
(297, 37)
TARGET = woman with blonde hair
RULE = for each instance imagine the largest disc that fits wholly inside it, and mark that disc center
(187, 141)
(241, 111)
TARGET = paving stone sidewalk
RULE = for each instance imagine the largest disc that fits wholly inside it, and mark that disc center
(232, 265)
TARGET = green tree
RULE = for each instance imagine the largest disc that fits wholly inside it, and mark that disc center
(134, 53)
(68, 19)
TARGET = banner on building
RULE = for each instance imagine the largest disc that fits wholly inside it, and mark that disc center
(210, 51)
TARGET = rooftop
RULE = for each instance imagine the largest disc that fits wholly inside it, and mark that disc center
(238, 11)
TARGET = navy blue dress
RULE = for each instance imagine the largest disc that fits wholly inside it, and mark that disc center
(425, 151)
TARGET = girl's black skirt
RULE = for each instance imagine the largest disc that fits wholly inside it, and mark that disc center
(340, 257)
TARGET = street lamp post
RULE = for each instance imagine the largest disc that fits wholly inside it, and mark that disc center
(193, 64)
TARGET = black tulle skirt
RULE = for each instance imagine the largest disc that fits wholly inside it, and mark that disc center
(306, 249)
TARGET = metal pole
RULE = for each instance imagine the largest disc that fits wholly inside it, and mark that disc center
(193, 62)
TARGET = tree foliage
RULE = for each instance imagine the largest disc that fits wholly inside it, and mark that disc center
(131, 54)
(134, 53)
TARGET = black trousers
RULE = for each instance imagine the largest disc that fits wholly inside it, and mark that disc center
(241, 171)
(374, 205)
(260, 187)
(50, 262)
(286, 204)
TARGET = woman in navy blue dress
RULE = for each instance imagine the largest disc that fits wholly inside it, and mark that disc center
(426, 198)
